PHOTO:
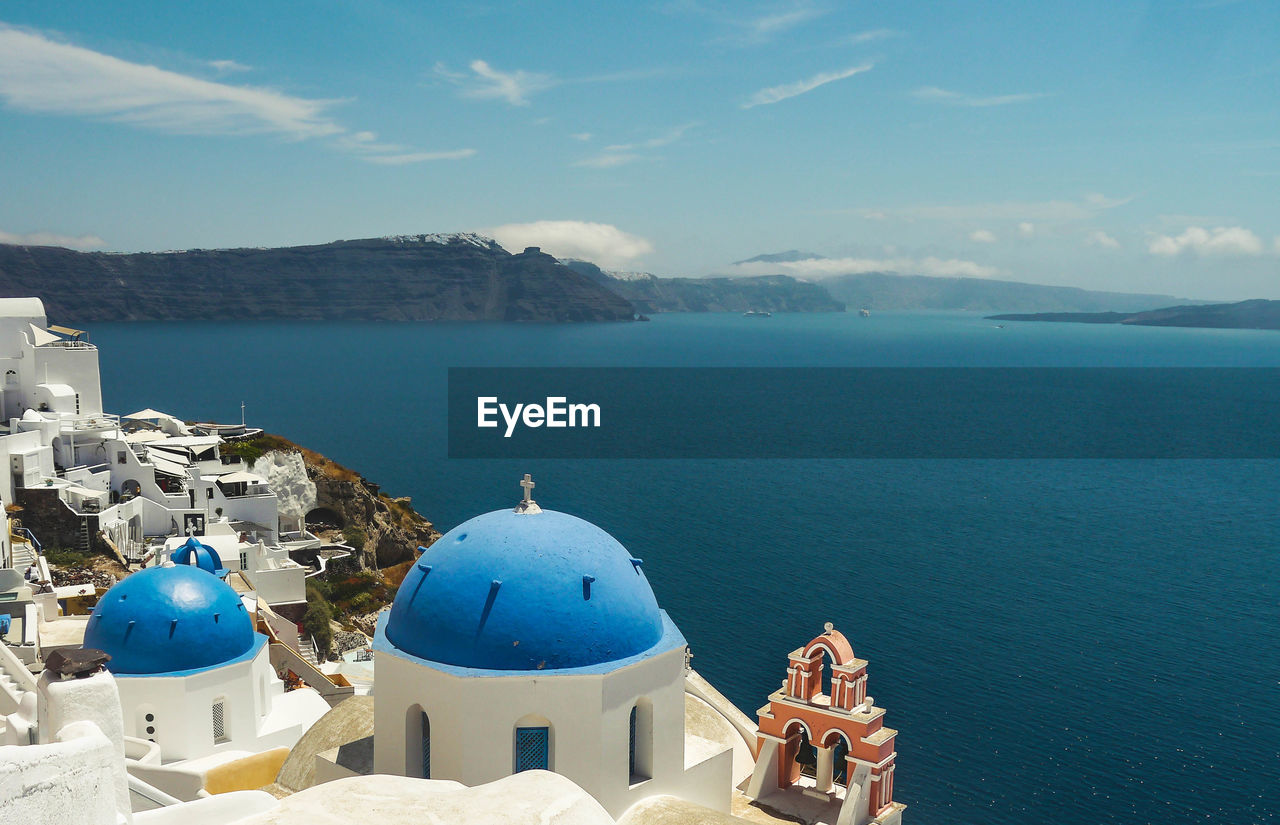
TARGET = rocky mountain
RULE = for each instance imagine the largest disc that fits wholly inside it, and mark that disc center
(459, 277)
(891, 291)
(650, 293)
(1255, 314)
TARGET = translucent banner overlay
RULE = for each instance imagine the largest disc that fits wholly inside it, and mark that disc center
(923, 413)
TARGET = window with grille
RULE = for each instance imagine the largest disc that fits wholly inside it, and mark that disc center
(219, 721)
(426, 747)
(632, 746)
(533, 747)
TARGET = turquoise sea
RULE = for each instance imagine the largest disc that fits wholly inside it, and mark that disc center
(1055, 641)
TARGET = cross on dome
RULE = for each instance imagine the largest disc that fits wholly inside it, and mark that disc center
(528, 506)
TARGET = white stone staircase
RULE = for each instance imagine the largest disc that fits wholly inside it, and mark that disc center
(24, 553)
(307, 647)
(16, 681)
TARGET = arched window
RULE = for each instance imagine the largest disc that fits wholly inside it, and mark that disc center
(797, 752)
(426, 746)
(632, 745)
(532, 745)
(417, 743)
(839, 757)
(807, 756)
(640, 741)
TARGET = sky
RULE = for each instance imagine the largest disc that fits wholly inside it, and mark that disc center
(1130, 146)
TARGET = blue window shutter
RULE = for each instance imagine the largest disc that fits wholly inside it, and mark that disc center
(533, 747)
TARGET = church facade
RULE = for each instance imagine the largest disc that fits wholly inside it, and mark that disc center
(193, 675)
(531, 640)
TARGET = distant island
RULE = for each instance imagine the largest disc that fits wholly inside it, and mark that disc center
(456, 277)
(892, 291)
(1254, 314)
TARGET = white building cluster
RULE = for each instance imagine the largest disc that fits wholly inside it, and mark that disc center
(524, 672)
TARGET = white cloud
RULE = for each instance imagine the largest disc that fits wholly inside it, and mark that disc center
(776, 94)
(229, 66)
(488, 83)
(746, 28)
(601, 243)
(1021, 212)
(983, 236)
(1097, 200)
(1102, 239)
(765, 27)
(81, 242)
(770, 24)
(41, 75)
(420, 157)
(935, 95)
(582, 136)
(621, 154)
(1026, 229)
(665, 139)
(871, 35)
(1196, 240)
(817, 268)
(608, 160)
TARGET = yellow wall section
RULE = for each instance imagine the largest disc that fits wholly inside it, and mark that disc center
(247, 774)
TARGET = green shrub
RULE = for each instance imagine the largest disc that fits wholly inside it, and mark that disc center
(65, 557)
(354, 536)
(315, 622)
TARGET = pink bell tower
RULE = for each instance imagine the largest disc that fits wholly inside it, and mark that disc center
(827, 742)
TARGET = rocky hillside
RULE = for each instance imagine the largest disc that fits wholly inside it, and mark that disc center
(650, 293)
(386, 531)
(407, 278)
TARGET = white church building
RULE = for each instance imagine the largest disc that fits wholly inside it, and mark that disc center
(531, 640)
(193, 675)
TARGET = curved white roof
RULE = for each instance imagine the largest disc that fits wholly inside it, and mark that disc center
(30, 309)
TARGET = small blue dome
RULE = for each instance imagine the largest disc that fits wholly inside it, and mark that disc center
(199, 555)
(508, 591)
(167, 619)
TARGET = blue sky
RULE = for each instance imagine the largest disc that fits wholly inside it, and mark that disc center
(1128, 146)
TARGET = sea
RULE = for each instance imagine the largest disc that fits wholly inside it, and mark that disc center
(1056, 641)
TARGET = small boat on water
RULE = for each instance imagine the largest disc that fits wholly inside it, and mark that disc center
(864, 312)
(757, 313)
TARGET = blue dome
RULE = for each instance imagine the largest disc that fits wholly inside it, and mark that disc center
(199, 555)
(508, 591)
(167, 619)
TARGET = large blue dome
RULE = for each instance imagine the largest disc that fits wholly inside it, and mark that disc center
(525, 591)
(168, 619)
